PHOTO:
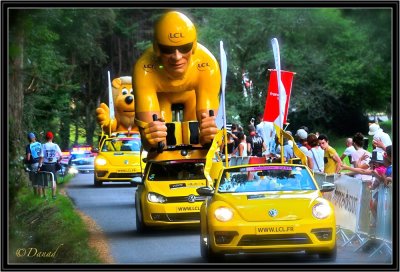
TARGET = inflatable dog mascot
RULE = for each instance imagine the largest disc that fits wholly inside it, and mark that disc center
(124, 107)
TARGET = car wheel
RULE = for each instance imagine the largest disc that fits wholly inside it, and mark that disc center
(207, 252)
(140, 225)
(96, 182)
(329, 255)
(213, 257)
(203, 247)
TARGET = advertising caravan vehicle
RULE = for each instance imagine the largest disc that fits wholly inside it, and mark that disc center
(264, 207)
(166, 195)
(119, 158)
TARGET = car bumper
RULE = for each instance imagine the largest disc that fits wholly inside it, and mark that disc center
(280, 237)
(117, 174)
(157, 214)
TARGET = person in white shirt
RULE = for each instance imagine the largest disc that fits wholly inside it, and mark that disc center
(361, 157)
(51, 154)
(267, 131)
(315, 156)
(379, 135)
(348, 151)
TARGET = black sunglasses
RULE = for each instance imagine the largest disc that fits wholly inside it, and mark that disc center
(184, 49)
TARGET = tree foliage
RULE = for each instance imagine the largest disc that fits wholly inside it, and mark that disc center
(59, 60)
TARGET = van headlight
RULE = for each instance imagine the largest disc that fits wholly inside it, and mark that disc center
(223, 214)
(321, 210)
(156, 198)
(101, 161)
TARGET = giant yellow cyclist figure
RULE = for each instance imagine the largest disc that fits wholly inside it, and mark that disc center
(175, 70)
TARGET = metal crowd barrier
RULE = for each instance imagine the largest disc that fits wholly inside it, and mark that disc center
(42, 178)
(351, 199)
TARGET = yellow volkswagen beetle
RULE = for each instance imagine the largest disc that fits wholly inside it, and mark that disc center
(261, 208)
(166, 195)
(119, 159)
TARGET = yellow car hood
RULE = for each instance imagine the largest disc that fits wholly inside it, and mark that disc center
(122, 158)
(175, 188)
(290, 206)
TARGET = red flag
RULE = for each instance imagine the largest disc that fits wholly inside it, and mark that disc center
(271, 110)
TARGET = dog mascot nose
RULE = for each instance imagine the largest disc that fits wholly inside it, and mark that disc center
(129, 99)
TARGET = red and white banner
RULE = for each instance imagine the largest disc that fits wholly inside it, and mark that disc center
(271, 110)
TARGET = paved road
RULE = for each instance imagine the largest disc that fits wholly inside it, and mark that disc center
(112, 207)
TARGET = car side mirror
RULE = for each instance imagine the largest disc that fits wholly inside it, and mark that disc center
(205, 191)
(327, 187)
(137, 180)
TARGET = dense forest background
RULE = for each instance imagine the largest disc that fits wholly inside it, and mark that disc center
(58, 62)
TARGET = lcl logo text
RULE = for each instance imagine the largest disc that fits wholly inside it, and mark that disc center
(148, 67)
(175, 35)
(203, 66)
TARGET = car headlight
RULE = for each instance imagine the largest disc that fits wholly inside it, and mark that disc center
(156, 198)
(100, 161)
(73, 170)
(223, 214)
(321, 210)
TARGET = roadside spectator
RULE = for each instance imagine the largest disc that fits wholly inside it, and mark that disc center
(51, 154)
(290, 142)
(375, 172)
(230, 144)
(378, 134)
(315, 156)
(348, 151)
(235, 133)
(287, 150)
(302, 140)
(378, 143)
(360, 158)
(267, 131)
(332, 160)
(255, 143)
(386, 178)
(33, 153)
(242, 148)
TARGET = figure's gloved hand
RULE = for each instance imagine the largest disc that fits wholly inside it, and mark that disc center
(208, 128)
(103, 115)
(155, 132)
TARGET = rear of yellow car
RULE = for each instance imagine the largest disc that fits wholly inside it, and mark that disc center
(252, 217)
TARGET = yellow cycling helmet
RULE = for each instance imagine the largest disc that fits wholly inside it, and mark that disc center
(174, 29)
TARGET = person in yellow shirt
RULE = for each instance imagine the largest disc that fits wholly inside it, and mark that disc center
(175, 70)
(333, 163)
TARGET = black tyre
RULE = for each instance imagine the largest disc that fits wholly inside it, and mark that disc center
(203, 248)
(329, 255)
(95, 181)
(207, 252)
(140, 225)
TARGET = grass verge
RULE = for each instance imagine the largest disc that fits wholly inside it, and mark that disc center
(46, 230)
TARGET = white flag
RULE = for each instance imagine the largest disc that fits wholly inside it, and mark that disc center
(110, 98)
(221, 116)
(281, 88)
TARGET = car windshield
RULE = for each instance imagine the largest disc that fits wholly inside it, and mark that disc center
(265, 178)
(121, 144)
(75, 156)
(176, 170)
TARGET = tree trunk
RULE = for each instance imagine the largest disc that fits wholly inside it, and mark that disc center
(17, 133)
